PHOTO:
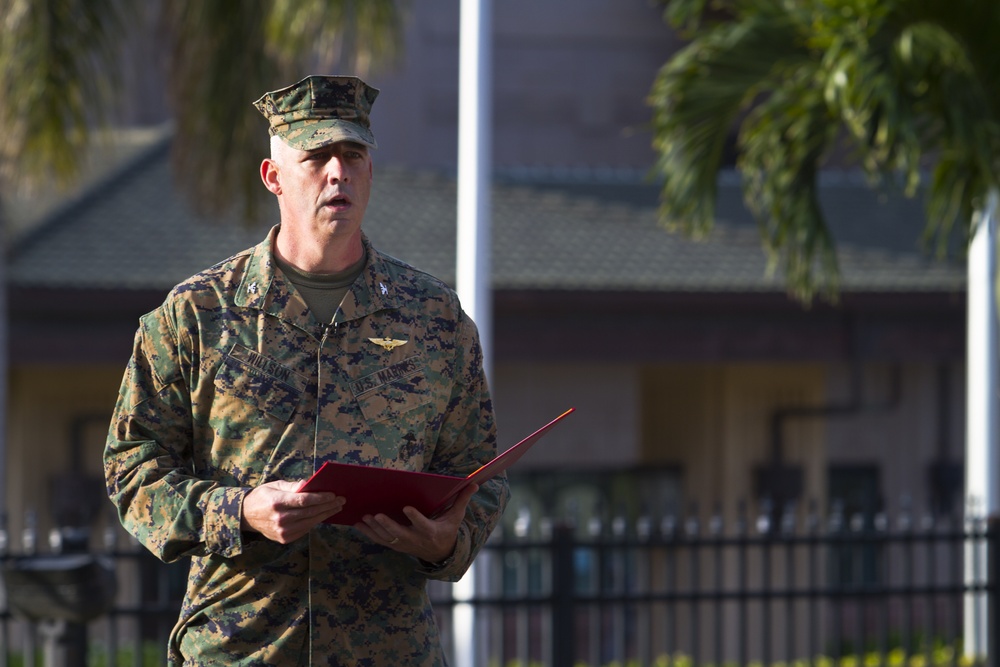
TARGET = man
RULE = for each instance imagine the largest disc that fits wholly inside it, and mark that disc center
(256, 371)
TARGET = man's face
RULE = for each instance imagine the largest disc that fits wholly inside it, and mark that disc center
(324, 191)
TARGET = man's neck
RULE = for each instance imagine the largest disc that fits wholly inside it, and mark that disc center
(313, 257)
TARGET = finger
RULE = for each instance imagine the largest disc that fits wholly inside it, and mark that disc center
(318, 500)
(457, 511)
(382, 529)
(283, 485)
(322, 510)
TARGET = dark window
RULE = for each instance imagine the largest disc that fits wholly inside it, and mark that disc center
(855, 500)
(590, 501)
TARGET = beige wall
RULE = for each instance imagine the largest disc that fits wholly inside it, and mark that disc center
(901, 435)
(44, 404)
(714, 421)
(604, 429)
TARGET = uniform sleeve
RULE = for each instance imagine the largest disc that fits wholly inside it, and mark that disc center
(468, 440)
(148, 455)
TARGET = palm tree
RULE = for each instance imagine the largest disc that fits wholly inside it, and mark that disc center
(908, 87)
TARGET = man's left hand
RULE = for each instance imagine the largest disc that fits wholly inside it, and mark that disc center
(431, 540)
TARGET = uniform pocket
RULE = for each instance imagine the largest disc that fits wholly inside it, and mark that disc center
(392, 390)
(260, 382)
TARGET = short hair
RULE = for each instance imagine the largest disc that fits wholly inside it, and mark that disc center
(274, 141)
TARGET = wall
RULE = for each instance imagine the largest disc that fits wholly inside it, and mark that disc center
(901, 436)
(604, 430)
(570, 77)
(49, 407)
(714, 421)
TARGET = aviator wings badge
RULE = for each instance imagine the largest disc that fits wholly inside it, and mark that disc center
(388, 343)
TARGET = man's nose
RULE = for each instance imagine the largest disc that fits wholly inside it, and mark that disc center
(335, 169)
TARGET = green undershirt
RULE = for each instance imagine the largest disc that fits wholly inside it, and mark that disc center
(322, 292)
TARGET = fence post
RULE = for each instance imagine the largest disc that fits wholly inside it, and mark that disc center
(993, 590)
(563, 593)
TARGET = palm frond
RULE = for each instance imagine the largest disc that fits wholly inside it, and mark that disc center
(58, 72)
(927, 87)
(218, 68)
(782, 145)
(697, 99)
(227, 53)
(912, 81)
(352, 35)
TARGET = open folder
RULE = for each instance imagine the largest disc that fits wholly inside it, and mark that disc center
(372, 490)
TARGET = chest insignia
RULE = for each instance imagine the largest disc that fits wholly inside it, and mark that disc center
(388, 343)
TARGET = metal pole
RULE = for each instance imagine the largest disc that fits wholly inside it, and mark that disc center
(472, 277)
(563, 603)
(472, 247)
(981, 459)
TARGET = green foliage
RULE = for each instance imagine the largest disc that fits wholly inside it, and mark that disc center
(220, 139)
(58, 68)
(940, 654)
(60, 76)
(905, 87)
(151, 654)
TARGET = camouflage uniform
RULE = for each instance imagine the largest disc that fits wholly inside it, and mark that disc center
(233, 383)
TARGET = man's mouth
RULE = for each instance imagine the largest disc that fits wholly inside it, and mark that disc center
(338, 201)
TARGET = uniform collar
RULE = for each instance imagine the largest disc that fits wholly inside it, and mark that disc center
(260, 273)
(374, 290)
(264, 287)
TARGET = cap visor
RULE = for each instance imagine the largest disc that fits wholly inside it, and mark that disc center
(310, 135)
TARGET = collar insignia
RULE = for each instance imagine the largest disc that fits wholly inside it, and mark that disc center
(388, 343)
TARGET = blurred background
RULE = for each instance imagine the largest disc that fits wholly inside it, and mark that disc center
(702, 377)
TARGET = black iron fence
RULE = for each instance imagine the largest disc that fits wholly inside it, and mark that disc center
(775, 590)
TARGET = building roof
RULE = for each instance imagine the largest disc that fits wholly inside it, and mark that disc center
(587, 231)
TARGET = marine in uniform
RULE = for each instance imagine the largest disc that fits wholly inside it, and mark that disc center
(246, 377)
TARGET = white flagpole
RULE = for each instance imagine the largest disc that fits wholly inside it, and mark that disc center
(472, 277)
(472, 271)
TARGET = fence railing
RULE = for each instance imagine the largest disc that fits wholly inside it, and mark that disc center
(853, 591)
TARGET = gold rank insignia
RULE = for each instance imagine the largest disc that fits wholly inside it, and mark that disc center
(388, 343)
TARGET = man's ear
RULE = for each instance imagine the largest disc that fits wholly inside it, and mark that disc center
(269, 174)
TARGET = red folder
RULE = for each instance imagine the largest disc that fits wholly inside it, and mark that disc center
(372, 490)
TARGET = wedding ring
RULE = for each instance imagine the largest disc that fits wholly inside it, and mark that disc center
(394, 540)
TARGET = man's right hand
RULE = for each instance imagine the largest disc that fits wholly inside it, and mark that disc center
(278, 513)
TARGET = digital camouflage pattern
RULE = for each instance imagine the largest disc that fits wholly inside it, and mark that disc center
(233, 383)
(320, 110)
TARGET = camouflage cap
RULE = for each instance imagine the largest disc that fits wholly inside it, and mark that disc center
(320, 110)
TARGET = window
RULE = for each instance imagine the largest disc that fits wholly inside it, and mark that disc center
(590, 501)
(855, 499)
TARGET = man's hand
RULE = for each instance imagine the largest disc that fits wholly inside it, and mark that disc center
(278, 513)
(431, 540)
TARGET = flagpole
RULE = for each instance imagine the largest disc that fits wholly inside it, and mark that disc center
(472, 253)
(472, 277)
